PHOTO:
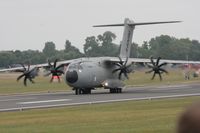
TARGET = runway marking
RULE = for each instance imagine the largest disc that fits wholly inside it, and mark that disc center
(45, 101)
(97, 102)
(172, 86)
(15, 99)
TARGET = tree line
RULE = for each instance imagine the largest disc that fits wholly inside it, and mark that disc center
(164, 46)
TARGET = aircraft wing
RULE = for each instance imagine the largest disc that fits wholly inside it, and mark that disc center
(146, 60)
(143, 60)
(59, 63)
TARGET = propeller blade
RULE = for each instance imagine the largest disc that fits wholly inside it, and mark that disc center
(153, 76)
(120, 74)
(120, 60)
(126, 75)
(30, 79)
(32, 70)
(150, 66)
(55, 62)
(54, 69)
(160, 76)
(162, 64)
(118, 64)
(116, 70)
(122, 68)
(152, 61)
(157, 62)
(23, 66)
(156, 68)
(49, 62)
(59, 71)
(18, 78)
(25, 80)
(59, 66)
(149, 71)
(163, 70)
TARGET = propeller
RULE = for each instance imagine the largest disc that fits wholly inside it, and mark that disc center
(156, 68)
(54, 70)
(28, 74)
(122, 68)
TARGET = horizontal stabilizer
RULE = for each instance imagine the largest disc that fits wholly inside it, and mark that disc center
(135, 24)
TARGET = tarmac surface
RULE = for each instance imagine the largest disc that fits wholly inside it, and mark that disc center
(48, 100)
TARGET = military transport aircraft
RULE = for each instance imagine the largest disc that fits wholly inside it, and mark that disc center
(85, 74)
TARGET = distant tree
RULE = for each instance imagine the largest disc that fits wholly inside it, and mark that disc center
(106, 45)
(134, 50)
(49, 49)
(6, 58)
(144, 50)
(164, 46)
(91, 47)
(71, 51)
(194, 52)
(107, 38)
(101, 46)
(160, 46)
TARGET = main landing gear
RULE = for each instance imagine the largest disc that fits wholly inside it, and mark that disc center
(115, 90)
(79, 91)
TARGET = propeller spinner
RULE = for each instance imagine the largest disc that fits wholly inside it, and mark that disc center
(156, 68)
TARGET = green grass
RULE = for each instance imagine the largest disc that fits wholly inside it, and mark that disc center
(175, 76)
(147, 116)
(8, 84)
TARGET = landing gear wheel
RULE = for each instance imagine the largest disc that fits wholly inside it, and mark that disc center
(115, 90)
(112, 90)
(76, 91)
(119, 90)
(79, 91)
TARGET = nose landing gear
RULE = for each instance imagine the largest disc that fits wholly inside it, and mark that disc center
(79, 91)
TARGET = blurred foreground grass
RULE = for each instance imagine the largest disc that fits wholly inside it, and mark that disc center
(8, 83)
(147, 116)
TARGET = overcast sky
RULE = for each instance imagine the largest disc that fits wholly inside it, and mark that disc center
(28, 24)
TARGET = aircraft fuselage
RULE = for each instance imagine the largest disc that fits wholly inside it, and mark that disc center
(89, 73)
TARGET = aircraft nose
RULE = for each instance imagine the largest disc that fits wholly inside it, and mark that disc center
(71, 76)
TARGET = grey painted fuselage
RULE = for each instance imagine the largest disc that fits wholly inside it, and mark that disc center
(91, 72)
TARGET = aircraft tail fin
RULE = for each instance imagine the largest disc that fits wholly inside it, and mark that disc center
(129, 27)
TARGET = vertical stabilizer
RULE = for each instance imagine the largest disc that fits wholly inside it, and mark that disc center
(127, 38)
(129, 26)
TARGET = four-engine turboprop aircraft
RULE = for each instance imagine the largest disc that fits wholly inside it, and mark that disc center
(85, 74)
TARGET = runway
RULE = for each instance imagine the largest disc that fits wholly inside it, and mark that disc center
(48, 100)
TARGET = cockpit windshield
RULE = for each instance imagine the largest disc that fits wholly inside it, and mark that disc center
(76, 66)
